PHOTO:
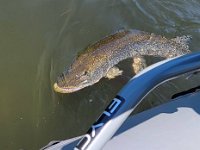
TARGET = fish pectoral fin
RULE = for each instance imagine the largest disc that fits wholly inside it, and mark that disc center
(113, 72)
(139, 63)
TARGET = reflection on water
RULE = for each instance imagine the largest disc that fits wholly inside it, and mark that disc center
(40, 38)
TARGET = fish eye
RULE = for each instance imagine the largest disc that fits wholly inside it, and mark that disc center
(85, 73)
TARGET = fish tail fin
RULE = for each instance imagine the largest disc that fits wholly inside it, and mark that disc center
(183, 41)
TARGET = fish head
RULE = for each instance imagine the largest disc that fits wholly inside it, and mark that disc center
(78, 76)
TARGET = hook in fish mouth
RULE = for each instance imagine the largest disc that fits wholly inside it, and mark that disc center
(65, 90)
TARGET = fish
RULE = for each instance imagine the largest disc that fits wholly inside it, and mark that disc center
(99, 60)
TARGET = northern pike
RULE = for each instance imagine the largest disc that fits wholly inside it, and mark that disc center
(99, 59)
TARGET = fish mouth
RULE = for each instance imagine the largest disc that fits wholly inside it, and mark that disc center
(64, 89)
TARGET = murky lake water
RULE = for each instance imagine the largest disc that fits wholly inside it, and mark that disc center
(38, 39)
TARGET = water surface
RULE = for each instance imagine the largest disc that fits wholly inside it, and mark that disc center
(38, 39)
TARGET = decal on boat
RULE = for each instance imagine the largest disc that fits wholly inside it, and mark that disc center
(112, 108)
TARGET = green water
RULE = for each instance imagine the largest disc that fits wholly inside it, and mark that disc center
(39, 38)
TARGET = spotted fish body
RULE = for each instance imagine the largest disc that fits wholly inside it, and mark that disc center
(96, 60)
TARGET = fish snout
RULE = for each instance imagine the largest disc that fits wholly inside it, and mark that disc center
(59, 89)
